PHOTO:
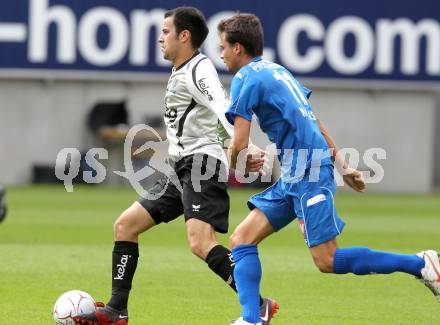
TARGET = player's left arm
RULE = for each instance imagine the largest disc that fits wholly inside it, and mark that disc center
(352, 177)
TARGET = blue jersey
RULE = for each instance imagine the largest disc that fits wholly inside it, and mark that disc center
(283, 111)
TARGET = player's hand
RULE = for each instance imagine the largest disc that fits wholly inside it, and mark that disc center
(255, 159)
(354, 179)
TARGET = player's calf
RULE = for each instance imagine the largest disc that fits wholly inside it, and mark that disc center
(324, 265)
(323, 256)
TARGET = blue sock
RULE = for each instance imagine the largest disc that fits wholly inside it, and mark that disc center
(247, 275)
(362, 260)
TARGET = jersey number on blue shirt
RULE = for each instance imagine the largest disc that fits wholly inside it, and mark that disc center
(293, 87)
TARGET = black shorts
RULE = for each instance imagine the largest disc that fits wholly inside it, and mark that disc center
(209, 203)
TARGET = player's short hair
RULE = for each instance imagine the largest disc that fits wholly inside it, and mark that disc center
(245, 29)
(191, 19)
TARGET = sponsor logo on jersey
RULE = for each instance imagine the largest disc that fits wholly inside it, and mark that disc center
(204, 88)
(170, 114)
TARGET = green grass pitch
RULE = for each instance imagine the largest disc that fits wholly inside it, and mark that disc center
(53, 241)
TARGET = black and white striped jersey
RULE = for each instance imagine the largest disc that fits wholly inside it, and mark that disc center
(196, 103)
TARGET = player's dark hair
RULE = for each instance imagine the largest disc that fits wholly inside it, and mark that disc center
(245, 29)
(191, 19)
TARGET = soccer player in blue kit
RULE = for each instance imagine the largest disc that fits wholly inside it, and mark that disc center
(306, 187)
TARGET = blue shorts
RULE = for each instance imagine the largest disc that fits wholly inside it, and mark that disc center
(310, 201)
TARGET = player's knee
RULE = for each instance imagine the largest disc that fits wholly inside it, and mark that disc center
(324, 263)
(119, 228)
(123, 229)
(197, 246)
(236, 239)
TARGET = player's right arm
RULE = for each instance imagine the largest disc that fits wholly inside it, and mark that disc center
(244, 97)
(240, 140)
(351, 176)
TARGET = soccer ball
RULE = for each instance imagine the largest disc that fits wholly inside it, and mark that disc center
(70, 304)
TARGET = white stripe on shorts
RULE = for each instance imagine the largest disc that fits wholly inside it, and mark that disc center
(316, 199)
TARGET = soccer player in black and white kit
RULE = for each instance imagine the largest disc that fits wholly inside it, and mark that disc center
(196, 103)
